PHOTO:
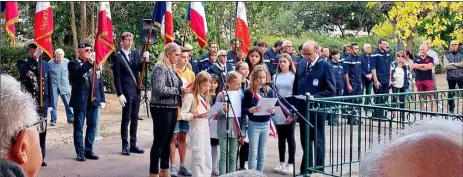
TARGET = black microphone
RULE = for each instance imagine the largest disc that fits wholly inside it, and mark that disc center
(270, 84)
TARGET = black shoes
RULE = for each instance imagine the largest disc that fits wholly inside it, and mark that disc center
(125, 151)
(44, 164)
(91, 155)
(80, 157)
(136, 149)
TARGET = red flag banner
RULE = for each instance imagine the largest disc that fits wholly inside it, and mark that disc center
(43, 27)
(241, 27)
(104, 43)
(11, 17)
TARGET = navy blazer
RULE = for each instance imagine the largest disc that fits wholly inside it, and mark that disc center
(32, 86)
(123, 80)
(215, 69)
(318, 81)
(366, 64)
(81, 80)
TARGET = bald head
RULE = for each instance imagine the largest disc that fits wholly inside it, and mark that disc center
(432, 148)
(310, 51)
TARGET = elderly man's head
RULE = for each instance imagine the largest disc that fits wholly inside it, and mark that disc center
(59, 55)
(287, 46)
(310, 51)
(20, 138)
(428, 149)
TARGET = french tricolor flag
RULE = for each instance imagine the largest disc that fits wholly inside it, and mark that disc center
(196, 15)
(167, 28)
(43, 27)
(241, 27)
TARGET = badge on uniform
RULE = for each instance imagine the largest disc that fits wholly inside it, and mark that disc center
(315, 82)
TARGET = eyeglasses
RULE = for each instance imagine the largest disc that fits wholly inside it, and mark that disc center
(188, 50)
(40, 124)
(88, 50)
(454, 44)
(222, 55)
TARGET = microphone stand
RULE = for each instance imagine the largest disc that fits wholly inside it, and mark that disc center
(296, 114)
(227, 99)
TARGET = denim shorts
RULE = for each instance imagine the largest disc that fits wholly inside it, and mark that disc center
(182, 126)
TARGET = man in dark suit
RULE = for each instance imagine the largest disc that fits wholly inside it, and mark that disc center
(315, 76)
(29, 75)
(126, 68)
(82, 102)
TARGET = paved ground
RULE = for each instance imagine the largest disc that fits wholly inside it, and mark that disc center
(61, 153)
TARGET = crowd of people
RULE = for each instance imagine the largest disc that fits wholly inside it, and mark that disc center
(184, 90)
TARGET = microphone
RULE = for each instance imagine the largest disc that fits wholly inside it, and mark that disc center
(270, 84)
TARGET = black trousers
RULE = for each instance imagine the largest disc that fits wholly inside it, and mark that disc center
(130, 116)
(286, 134)
(316, 138)
(164, 120)
(42, 138)
(452, 85)
(244, 152)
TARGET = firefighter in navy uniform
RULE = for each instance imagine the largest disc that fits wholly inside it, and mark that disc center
(29, 75)
(314, 75)
(339, 74)
(85, 107)
(354, 84)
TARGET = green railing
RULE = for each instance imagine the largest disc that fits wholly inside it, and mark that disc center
(379, 117)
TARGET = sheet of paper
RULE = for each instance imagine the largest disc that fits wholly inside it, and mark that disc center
(235, 99)
(279, 116)
(215, 108)
(301, 97)
(265, 103)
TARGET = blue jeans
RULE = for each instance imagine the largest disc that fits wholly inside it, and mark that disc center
(65, 98)
(79, 119)
(258, 135)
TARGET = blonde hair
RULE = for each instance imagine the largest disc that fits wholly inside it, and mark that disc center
(255, 88)
(290, 60)
(233, 75)
(168, 49)
(202, 77)
(240, 64)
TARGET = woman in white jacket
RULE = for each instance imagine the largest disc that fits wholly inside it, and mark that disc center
(195, 109)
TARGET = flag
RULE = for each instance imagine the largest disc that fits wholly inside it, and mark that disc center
(43, 27)
(196, 15)
(9, 10)
(241, 27)
(272, 128)
(158, 13)
(104, 42)
(167, 28)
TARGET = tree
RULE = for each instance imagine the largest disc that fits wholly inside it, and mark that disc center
(83, 21)
(73, 26)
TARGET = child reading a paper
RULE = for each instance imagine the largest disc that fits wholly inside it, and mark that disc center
(195, 108)
(243, 68)
(230, 117)
(258, 125)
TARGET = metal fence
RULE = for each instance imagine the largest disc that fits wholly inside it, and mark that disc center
(378, 118)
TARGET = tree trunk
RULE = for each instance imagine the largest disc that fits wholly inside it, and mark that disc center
(83, 21)
(92, 23)
(73, 27)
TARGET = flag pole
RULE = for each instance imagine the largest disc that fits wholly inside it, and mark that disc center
(140, 82)
(184, 34)
(40, 81)
(93, 81)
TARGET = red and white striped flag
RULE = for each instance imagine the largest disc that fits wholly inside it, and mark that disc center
(167, 28)
(196, 15)
(104, 42)
(241, 27)
(43, 27)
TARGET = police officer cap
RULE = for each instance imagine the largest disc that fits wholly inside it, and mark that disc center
(83, 45)
(30, 44)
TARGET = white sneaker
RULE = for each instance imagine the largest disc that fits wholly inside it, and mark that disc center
(280, 167)
(288, 169)
(246, 165)
(215, 172)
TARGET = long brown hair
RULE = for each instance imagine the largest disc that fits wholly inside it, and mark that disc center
(261, 60)
(253, 87)
(202, 77)
(290, 60)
